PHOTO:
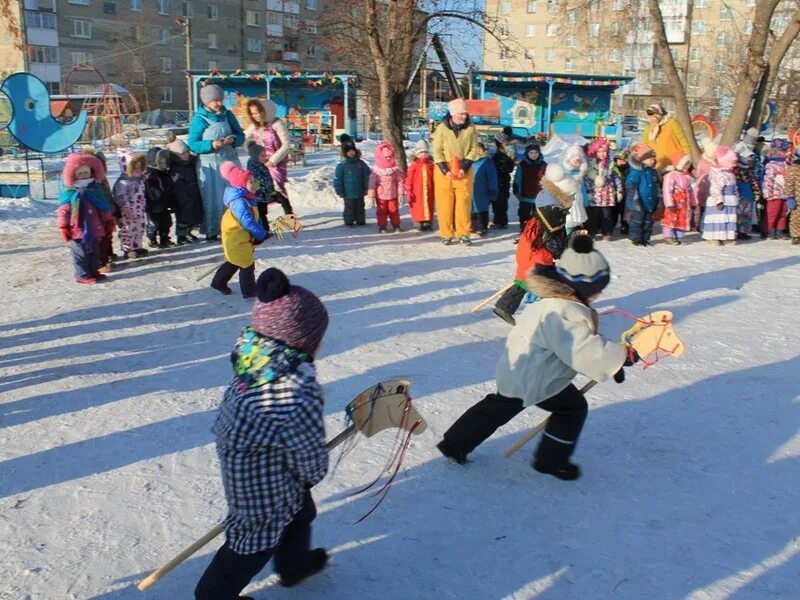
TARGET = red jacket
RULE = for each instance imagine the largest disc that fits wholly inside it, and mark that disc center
(419, 190)
(527, 257)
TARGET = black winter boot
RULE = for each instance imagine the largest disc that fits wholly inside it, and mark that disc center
(319, 558)
(567, 472)
(454, 456)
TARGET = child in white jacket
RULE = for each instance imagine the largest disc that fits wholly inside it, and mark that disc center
(555, 339)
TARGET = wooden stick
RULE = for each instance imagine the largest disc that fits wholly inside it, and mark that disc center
(178, 559)
(207, 273)
(535, 431)
(497, 294)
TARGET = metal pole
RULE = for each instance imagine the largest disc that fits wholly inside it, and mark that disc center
(269, 84)
(346, 106)
(187, 41)
(483, 87)
(550, 83)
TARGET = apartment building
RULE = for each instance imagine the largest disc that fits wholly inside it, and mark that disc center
(708, 40)
(140, 44)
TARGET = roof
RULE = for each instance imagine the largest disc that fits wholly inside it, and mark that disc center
(578, 79)
(59, 107)
(271, 73)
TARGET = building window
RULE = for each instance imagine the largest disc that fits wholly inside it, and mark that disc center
(694, 79)
(700, 3)
(719, 65)
(550, 55)
(569, 64)
(748, 27)
(136, 5)
(593, 55)
(505, 7)
(531, 6)
(43, 54)
(311, 27)
(109, 8)
(594, 6)
(274, 18)
(187, 9)
(311, 4)
(552, 6)
(166, 64)
(212, 41)
(572, 41)
(619, 5)
(552, 30)
(212, 64)
(162, 35)
(572, 17)
(613, 55)
(725, 13)
(594, 30)
(213, 12)
(503, 31)
(698, 27)
(311, 51)
(166, 95)
(253, 18)
(81, 58)
(529, 53)
(81, 2)
(82, 29)
(39, 20)
(54, 87)
(136, 33)
(163, 8)
(505, 53)
(254, 44)
(723, 37)
(530, 30)
(749, 2)
(616, 28)
(291, 21)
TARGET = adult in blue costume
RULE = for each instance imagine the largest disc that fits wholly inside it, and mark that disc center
(214, 134)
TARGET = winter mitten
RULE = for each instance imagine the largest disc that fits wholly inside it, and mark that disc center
(66, 234)
(791, 203)
(720, 205)
(619, 376)
(633, 357)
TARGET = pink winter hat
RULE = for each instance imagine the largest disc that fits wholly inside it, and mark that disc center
(288, 313)
(235, 176)
(76, 160)
(459, 105)
(596, 145)
(726, 158)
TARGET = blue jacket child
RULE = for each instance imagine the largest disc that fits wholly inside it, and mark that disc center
(642, 194)
(351, 181)
(484, 190)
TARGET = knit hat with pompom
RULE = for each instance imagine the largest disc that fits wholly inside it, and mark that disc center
(288, 313)
(582, 268)
(236, 177)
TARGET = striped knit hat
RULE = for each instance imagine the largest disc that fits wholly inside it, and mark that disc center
(583, 268)
(288, 313)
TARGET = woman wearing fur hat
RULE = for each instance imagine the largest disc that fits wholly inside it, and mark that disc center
(214, 134)
(641, 192)
(719, 221)
(528, 182)
(419, 187)
(84, 215)
(270, 436)
(504, 164)
(604, 187)
(556, 339)
(575, 165)
(664, 135)
(387, 187)
(188, 202)
(267, 130)
(351, 182)
(679, 199)
(544, 238)
(159, 197)
(773, 189)
(455, 148)
(241, 231)
(130, 195)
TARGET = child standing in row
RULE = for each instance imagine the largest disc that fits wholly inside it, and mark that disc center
(419, 187)
(641, 191)
(773, 189)
(159, 196)
(749, 191)
(256, 165)
(679, 199)
(186, 190)
(504, 165)
(528, 182)
(605, 189)
(351, 183)
(719, 221)
(484, 190)
(270, 435)
(83, 215)
(241, 231)
(130, 195)
(557, 338)
(792, 193)
(575, 165)
(621, 162)
(386, 187)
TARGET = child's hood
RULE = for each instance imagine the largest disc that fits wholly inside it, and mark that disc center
(154, 155)
(232, 194)
(257, 360)
(380, 160)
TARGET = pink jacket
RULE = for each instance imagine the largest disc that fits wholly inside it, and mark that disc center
(674, 181)
(774, 179)
(386, 184)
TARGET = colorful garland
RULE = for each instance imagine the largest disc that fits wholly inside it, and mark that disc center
(548, 78)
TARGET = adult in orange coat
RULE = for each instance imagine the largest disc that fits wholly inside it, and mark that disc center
(419, 188)
(664, 135)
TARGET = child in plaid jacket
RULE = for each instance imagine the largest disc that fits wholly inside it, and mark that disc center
(271, 443)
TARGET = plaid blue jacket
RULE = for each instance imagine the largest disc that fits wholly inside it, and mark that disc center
(271, 447)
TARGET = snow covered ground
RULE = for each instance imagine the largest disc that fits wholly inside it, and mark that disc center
(107, 396)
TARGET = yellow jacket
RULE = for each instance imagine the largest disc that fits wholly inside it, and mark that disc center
(669, 139)
(237, 242)
(446, 144)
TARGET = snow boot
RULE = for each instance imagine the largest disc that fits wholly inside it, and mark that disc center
(456, 457)
(382, 230)
(319, 558)
(447, 241)
(182, 240)
(212, 238)
(140, 252)
(505, 315)
(465, 241)
(567, 472)
(86, 280)
(397, 228)
(796, 241)
(224, 290)
(153, 242)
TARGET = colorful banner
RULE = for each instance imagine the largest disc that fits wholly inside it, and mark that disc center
(549, 78)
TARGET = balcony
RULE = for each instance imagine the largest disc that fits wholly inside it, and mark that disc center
(291, 56)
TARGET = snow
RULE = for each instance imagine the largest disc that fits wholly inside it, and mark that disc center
(108, 393)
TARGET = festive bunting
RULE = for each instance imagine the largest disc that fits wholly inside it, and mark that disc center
(548, 78)
(313, 79)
